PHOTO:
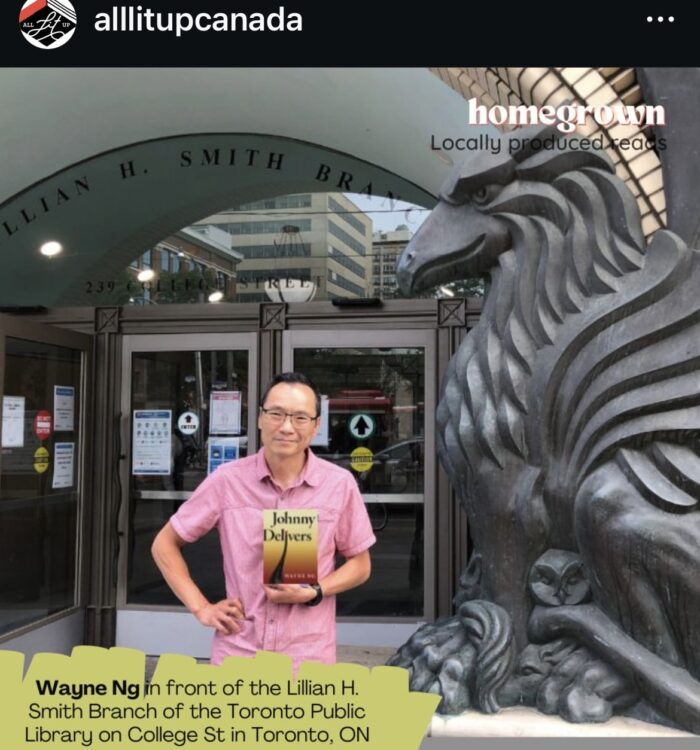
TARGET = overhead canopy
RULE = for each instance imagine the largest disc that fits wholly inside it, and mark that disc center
(107, 162)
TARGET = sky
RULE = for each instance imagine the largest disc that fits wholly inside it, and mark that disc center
(386, 215)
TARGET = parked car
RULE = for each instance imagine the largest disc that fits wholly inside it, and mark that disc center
(396, 469)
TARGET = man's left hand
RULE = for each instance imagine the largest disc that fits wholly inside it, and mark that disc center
(289, 593)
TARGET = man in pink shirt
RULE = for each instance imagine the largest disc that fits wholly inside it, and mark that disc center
(293, 619)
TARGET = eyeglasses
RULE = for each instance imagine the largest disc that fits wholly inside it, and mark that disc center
(277, 416)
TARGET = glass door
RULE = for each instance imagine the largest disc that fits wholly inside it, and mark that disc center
(188, 405)
(43, 371)
(378, 413)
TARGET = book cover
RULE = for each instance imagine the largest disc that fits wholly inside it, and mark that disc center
(290, 550)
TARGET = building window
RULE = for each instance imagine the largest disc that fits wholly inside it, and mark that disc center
(282, 201)
(301, 250)
(342, 235)
(266, 227)
(343, 283)
(351, 265)
(346, 215)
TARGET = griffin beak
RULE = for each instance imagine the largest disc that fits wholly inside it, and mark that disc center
(447, 247)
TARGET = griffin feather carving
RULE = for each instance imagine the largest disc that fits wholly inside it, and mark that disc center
(570, 428)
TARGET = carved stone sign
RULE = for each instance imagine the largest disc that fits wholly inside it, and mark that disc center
(107, 210)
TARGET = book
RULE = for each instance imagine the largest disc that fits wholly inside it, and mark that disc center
(290, 546)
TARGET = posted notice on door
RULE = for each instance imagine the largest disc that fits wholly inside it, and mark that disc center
(152, 442)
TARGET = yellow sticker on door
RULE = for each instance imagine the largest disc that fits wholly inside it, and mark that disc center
(41, 460)
(361, 459)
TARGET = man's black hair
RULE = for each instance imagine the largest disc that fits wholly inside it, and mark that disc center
(293, 377)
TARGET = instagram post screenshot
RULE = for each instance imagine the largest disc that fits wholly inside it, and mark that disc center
(350, 369)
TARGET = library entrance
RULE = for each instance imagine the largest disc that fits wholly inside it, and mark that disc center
(173, 393)
(373, 407)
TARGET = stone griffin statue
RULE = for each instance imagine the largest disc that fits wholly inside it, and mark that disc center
(569, 427)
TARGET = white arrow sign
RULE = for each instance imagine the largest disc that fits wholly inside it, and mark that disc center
(362, 426)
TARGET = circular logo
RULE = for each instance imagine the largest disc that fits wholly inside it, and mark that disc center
(188, 423)
(42, 424)
(41, 460)
(47, 24)
(361, 460)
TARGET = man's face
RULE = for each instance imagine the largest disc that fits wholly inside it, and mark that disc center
(285, 439)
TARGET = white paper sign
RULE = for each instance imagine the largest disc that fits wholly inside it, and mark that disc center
(322, 434)
(152, 442)
(225, 413)
(221, 451)
(63, 465)
(13, 422)
(63, 408)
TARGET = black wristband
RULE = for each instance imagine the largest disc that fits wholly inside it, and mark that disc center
(319, 596)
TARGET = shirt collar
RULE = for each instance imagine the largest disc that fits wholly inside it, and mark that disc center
(311, 473)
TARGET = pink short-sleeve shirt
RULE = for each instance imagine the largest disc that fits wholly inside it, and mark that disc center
(233, 498)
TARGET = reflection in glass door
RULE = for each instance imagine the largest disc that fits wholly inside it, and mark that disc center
(41, 479)
(187, 409)
(376, 426)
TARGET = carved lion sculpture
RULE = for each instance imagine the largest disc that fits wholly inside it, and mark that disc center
(569, 427)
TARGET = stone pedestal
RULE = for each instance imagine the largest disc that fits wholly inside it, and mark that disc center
(527, 722)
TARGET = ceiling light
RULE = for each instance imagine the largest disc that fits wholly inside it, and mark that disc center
(446, 291)
(146, 275)
(216, 296)
(290, 290)
(49, 249)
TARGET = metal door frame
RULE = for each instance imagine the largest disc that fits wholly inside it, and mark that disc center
(389, 629)
(156, 628)
(60, 631)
